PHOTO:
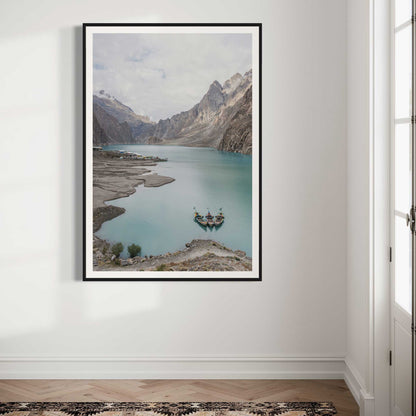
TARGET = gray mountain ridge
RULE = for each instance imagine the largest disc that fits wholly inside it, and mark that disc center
(141, 126)
(222, 119)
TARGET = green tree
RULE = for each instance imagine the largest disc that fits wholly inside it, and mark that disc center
(117, 249)
(134, 250)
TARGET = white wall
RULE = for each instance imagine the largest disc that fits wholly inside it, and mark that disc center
(299, 310)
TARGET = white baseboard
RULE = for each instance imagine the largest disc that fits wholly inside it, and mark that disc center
(191, 367)
(357, 387)
(151, 367)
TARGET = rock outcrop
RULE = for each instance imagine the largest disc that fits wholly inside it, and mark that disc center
(238, 136)
(154, 140)
(99, 135)
(107, 129)
(198, 256)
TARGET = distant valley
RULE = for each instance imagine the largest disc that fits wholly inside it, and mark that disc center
(222, 120)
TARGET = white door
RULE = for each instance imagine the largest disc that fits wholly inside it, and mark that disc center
(402, 184)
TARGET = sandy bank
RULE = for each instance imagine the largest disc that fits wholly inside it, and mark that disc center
(115, 178)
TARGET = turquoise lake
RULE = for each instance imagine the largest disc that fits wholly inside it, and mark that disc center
(160, 219)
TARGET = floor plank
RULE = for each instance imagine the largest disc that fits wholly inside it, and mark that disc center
(181, 390)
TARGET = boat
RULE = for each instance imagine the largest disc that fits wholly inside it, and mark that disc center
(200, 219)
(210, 219)
(219, 219)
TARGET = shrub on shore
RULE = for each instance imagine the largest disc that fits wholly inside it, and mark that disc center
(162, 267)
(134, 250)
(117, 249)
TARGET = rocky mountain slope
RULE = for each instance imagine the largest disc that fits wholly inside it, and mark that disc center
(222, 119)
(108, 130)
(99, 135)
(141, 126)
(238, 136)
(206, 122)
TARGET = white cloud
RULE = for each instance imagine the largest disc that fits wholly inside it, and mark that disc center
(160, 75)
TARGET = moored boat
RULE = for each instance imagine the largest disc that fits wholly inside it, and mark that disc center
(210, 219)
(200, 219)
(219, 219)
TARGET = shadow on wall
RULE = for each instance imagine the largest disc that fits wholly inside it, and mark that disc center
(71, 152)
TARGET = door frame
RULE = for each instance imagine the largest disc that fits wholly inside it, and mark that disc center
(380, 74)
(391, 295)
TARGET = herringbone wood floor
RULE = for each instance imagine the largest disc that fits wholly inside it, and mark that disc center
(181, 390)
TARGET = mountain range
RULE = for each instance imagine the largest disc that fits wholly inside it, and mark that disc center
(222, 120)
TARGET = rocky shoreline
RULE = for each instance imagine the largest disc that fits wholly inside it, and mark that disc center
(198, 255)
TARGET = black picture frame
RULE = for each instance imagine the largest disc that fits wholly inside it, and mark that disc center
(173, 279)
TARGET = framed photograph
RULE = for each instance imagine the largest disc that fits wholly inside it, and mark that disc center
(172, 152)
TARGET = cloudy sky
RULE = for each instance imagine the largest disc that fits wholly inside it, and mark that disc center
(159, 75)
